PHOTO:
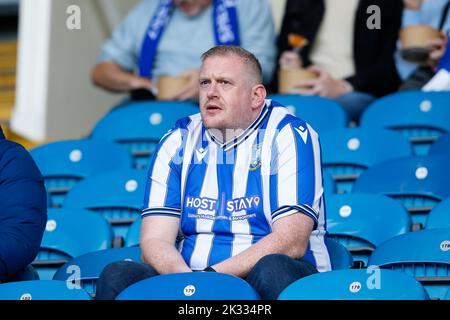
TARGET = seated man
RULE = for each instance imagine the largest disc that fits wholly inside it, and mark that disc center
(167, 37)
(242, 181)
(23, 210)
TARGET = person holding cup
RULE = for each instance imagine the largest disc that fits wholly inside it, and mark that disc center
(353, 63)
(424, 38)
(167, 37)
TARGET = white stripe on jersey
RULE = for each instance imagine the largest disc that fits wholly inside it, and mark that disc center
(161, 170)
(203, 244)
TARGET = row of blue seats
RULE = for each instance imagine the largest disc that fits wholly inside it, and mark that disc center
(410, 276)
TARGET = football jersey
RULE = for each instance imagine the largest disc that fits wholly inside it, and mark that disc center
(228, 195)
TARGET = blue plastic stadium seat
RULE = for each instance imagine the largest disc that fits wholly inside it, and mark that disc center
(447, 296)
(340, 257)
(420, 116)
(70, 233)
(359, 222)
(190, 286)
(140, 125)
(41, 290)
(346, 153)
(442, 145)
(63, 164)
(419, 182)
(321, 113)
(133, 234)
(91, 265)
(439, 217)
(423, 254)
(355, 284)
(117, 196)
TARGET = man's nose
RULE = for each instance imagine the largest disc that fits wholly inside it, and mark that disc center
(212, 90)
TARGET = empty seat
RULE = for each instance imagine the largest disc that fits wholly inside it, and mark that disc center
(117, 196)
(140, 125)
(420, 116)
(439, 217)
(355, 284)
(346, 153)
(340, 257)
(70, 233)
(190, 286)
(442, 145)
(133, 234)
(419, 182)
(423, 254)
(321, 113)
(85, 270)
(65, 163)
(358, 221)
(41, 290)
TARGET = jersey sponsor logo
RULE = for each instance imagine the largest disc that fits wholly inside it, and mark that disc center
(231, 206)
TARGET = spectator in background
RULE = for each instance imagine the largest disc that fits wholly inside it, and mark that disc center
(434, 13)
(167, 37)
(355, 64)
(23, 211)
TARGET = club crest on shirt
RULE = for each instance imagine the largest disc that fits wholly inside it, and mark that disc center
(255, 160)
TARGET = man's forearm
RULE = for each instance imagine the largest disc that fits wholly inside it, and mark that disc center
(111, 77)
(241, 264)
(163, 256)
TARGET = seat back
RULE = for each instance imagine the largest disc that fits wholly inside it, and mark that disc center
(70, 233)
(41, 290)
(358, 221)
(190, 286)
(140, 125)
(419, 182)
(439, 217)
(423, 254)
(340, 257)
(63, 164)
(321, 113)
(442, 145)
(346, 153)
(420, 116)
(84, 271)
(117, 196)
(355, 284)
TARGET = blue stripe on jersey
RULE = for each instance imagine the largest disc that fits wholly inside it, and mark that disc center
(196, 174)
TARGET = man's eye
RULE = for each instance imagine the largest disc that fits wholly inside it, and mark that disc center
(204, 83)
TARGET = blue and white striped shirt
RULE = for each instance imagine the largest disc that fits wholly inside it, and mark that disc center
(228, 195)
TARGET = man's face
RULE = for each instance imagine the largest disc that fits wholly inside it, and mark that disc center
(192, 7)
(225, 93)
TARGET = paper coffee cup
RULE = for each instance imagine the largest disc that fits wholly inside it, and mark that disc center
(168, 86)
(291, 77)
(418, 36)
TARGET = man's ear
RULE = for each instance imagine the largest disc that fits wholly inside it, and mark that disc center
(259, 94)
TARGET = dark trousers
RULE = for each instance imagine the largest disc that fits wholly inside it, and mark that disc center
(269, 276)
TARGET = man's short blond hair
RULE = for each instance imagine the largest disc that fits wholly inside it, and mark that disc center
(247, 57)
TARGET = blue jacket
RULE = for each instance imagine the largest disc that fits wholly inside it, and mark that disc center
(23, 208)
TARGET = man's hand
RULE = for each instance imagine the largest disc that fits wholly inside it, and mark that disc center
(290, 60)
(412, 4)
(191, 90)
(439, 46)
(324, 86)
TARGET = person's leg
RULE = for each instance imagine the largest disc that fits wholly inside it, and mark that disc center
(273, 273)
(355, 103)
(118, 276)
